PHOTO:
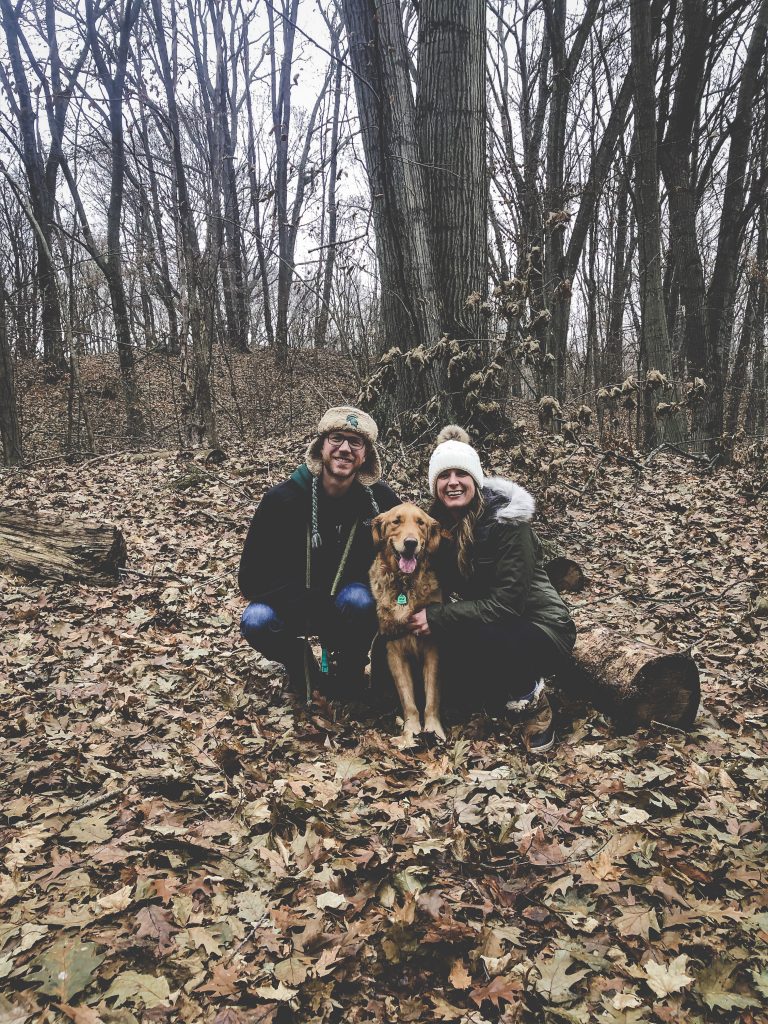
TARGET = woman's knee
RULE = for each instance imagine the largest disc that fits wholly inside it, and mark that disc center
(259, 621)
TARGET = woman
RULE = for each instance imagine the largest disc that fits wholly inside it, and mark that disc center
(509, 626)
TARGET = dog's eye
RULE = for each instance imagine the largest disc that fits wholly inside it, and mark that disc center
(396, 522)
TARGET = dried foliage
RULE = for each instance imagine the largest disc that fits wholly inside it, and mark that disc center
(181, 842)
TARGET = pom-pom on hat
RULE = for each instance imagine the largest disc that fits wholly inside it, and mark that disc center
(354, 421)
(454, 451)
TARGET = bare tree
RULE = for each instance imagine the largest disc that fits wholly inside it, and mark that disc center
(199, 412)
(720, 292)
(9, 418)
(655, 350)
(41, 168)
(113, 83)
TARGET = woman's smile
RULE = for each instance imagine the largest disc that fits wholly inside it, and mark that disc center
(455, 489)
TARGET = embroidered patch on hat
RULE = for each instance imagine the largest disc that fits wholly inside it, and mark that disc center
(353, 421)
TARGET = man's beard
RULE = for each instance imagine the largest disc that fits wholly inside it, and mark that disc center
(336, 466)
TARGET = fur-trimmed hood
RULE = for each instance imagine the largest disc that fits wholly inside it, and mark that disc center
(507, 502)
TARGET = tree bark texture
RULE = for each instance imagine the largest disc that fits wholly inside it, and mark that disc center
(200, 420)
(450, 121)
(114, 87)
(680, 179)
(41, 176)
(281, 121)
(321, 326)
(636, 683)
(598, 172)
(613, 364)
(9, 419)
(60, 547)
(720, 294)
(654, 341)
(755, 419)
(379, 59)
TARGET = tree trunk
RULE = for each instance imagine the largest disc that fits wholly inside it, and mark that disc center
(613, 363)
(675, 155)
(321, 328)
(256, 199)
(378, 55)
(41, 176)
(758, 392)
(635, 683)
(450, 122)
(200, 421)
(9, 418)
(722, 286)
(409, 298)
(281, 125)
(114, 85)
(60, 547)
(737, 383)
(165, 289)
(654, 339)
(598, 172)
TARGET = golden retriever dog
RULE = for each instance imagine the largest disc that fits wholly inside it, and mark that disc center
(403, 582)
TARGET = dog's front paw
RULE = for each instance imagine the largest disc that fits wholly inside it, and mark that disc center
(432, 724)
(411, 729)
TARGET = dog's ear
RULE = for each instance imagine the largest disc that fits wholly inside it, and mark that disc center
(379, 530)
(435, 535)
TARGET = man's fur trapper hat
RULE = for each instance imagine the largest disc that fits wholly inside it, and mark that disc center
(354, 421)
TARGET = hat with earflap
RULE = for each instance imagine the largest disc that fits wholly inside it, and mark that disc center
(454, 451)
(349, 420)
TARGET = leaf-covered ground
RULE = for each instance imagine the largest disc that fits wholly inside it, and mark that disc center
(179, 841)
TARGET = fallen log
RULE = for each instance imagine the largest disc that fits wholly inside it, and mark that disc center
(62, 547)
(635, 683)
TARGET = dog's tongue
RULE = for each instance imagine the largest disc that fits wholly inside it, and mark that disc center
(407, 564)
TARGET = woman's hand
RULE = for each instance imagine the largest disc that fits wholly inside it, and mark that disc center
(418, 624)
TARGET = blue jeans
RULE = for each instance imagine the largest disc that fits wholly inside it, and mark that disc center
(345, 624)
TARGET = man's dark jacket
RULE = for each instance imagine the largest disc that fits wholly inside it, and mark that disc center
(274, 561)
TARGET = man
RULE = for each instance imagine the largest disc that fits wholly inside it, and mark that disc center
(304, 567)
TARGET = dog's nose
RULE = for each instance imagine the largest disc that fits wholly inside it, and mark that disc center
(409, 545)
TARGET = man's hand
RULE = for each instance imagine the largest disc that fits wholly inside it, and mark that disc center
(418, 624)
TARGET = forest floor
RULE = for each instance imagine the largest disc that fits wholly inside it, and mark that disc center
(181, 841)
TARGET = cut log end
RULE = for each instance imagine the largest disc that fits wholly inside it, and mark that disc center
(565, 575)
(668, 691)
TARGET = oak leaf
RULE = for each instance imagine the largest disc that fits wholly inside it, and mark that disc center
(223, 981)
(714, 986)
(145, 990)
(156, 923)
(66, 968)
(506, 988)
(280, 993)
(459, 976)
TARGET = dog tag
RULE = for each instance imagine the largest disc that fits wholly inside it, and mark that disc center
(402, 599)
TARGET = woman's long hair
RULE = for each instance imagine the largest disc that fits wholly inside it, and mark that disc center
(463, 530)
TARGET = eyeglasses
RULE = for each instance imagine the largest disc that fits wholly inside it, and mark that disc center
(355, 443)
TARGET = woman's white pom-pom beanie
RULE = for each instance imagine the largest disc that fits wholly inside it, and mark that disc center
(454, 451)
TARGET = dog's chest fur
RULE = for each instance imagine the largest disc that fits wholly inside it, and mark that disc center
(420, 587)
